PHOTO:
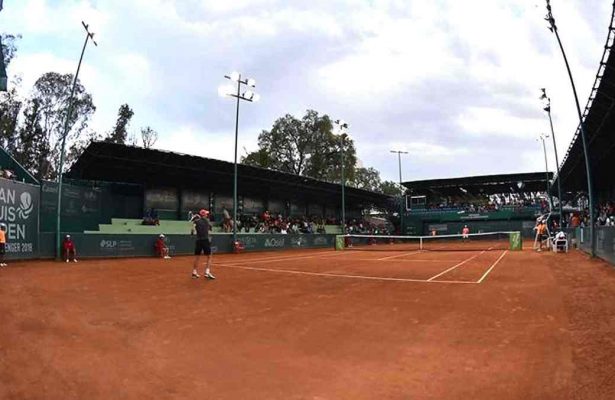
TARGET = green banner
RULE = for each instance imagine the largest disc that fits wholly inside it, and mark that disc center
(339, 243)
(19, 212)
(516, 244)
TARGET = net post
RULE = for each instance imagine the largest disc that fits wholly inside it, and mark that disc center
(516, 244)
(339, 242)
(421, 243)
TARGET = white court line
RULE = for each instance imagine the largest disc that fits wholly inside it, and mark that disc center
(399, 255)
(492, 266)
(408, 260)
(456, 265)
(373, 278)
(252, 261)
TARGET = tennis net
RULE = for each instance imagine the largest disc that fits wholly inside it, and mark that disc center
(472, 242)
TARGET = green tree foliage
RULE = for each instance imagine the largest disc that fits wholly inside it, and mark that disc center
(33, 148)
(119, 133)
(52, 92)
(10, 108)
(306, 146)
(368, 179)
(391, 188)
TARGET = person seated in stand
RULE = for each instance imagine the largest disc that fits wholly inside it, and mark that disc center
(69, 249)
(162, 250)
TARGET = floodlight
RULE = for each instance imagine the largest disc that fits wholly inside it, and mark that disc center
(256, 97)
(251, 82)
(234, 76)
(248, 94)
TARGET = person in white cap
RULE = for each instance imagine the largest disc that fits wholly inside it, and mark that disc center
(69, 249)
(162, 250)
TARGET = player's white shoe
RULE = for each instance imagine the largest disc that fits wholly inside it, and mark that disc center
(209, 275)
(74, 260)
(167, 257)
(195, 275)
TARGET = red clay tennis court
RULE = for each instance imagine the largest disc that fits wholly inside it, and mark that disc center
(313, 324)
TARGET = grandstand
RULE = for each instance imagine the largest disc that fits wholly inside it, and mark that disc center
(599, 122)
(486, 203)
(175, 184)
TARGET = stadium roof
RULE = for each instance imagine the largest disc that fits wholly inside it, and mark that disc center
(481, 185)
(599, 122)
(120, 163)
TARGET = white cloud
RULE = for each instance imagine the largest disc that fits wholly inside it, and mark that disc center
(438, 78)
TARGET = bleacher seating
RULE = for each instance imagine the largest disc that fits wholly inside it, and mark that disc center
(168, 227)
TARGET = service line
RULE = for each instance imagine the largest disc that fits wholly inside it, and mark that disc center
(374, 278)
(279, 258)
(456, 266)
(492, 266)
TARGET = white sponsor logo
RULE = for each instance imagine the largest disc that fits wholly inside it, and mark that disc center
(274, 242)
(320, 240)
(14, 212)
(26, 206)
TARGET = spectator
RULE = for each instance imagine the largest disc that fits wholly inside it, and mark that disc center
(70, 251)
(2, 244)
(162, 250)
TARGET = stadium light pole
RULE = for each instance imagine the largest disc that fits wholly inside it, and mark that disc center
(250, 96)
(401, 195)
(547, 108)
(590, 192)
(542, 138)
(342, 126)
(88, 36)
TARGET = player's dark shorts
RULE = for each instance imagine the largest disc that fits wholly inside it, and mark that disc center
(544, 237)
(202, 246)
(2, 248)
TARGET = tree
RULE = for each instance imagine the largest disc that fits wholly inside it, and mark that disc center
(148, 137)
(78, 146)
(119, 133)
(8, 47)
(32, 149)
(391, 188)
(368, 179)
(305, 147)
(10, 107)
(51, 95)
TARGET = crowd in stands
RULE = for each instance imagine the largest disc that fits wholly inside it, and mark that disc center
(605, 216)
(270, 222)
(7, 174)
(489, 204)
(151, 217)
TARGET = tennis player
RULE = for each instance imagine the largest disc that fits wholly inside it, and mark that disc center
(202, 227)
(465, 233)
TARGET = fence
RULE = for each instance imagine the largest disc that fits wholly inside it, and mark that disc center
(131, 245)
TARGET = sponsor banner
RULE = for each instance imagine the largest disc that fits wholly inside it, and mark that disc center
(438, 228)
(19, 204)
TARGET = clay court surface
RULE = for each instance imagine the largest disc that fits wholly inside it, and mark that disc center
(315, 324)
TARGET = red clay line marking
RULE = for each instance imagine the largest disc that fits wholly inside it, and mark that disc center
(374, 278)
(492, 266)
(455, 266)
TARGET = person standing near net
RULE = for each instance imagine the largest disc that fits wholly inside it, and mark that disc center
(465, 233)
(202, 226)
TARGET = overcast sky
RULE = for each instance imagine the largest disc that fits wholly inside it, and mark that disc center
(455, 83)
